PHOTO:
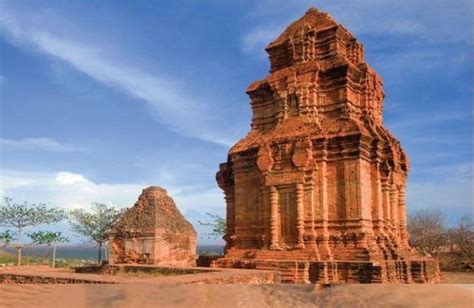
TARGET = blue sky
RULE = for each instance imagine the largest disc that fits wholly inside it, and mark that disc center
(102, 98)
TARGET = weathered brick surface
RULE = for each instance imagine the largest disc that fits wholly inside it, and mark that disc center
(319, 182)
(153, 231)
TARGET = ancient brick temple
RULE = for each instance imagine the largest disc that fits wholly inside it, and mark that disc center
(153, 231)
(317, 187)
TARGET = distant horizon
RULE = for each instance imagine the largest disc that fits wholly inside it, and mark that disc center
(88, 252)
(92, 245)
(100, 99)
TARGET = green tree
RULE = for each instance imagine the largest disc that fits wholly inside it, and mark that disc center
(96, 224)
(218, 225)
(48, 238)
(6, 237)
(20, 216)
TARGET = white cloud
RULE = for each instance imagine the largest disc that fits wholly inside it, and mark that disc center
(73, 190)
(2, 79)
(44, 144)
(206, 200)
(166, 99)
(9, 183)
(68, 178)
(64, 189)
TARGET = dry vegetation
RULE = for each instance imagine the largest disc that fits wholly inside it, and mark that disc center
(453, 247)
(458, 277)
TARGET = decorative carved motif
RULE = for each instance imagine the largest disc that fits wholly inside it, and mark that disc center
(264, 158)
(328, 195)
(303, 153)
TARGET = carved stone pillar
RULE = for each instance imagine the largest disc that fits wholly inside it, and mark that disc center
(309, 191)
(394, 207)
(274, 218)
(402, 215)
(377, 198)
(324, 203)
(386, 201)
(300, 214)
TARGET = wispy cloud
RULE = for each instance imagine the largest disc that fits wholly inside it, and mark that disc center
(427, 119)
(65, 189)
(166, 99)
(446, 186)
(255, 41)
(446, 139)
(453, 197)
(366, 17)
(74, 190)
(43, 144)
(411, 60)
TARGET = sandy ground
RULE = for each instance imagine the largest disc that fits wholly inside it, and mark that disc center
(205, 295)
(458, 277)
(458, 291)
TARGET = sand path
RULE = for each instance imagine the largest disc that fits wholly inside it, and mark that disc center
(205, 295)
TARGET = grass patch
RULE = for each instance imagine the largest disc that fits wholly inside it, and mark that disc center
(143, 271)
(158, 271)
(11, 259)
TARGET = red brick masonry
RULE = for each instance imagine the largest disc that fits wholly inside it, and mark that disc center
(153, 231)
(317, 187)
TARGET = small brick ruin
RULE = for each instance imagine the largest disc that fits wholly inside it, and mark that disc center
(154, 232)
(316, 189)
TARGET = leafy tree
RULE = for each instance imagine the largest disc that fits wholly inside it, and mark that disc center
(6, 237)
(48, 238)
(462, 236)
(427, 231)
(218, 225)
(95, 225)
(20, 216)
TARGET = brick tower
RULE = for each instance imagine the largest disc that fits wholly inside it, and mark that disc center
(317, 187)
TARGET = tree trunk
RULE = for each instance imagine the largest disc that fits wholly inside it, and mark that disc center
(100, 252)
(106, 250)
(54, 256)
(18, 247)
